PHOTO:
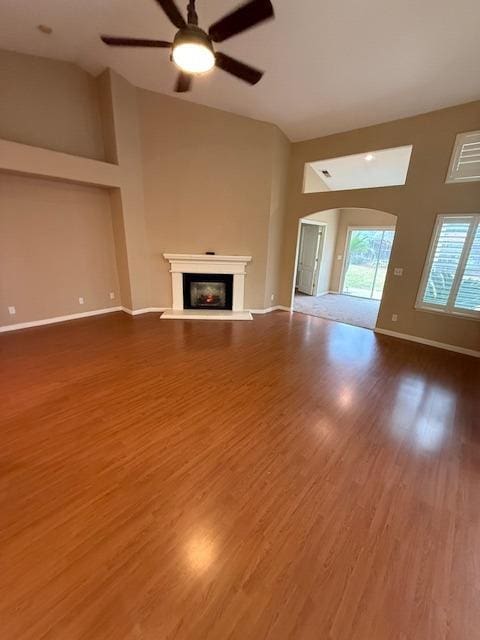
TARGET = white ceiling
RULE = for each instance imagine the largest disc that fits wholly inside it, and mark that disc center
(383, 168)
(331, 65)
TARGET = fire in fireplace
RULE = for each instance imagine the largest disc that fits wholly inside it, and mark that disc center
(207, 291)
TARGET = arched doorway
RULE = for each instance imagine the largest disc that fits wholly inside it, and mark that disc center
(341, 264)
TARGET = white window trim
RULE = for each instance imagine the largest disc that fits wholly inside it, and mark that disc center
(449, 310)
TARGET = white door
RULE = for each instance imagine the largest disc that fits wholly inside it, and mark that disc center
(308, 258)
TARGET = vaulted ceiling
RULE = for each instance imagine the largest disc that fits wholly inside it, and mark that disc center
(331, 65)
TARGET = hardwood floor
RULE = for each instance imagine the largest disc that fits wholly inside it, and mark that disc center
(287, 478)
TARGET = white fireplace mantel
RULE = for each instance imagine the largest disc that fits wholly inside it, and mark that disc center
(181, 263)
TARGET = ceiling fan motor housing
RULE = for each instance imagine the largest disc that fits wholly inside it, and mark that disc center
(193, 35)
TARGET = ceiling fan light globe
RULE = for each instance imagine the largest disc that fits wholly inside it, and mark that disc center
(193, 57)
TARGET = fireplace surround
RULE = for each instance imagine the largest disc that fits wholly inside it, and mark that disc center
(207, 287)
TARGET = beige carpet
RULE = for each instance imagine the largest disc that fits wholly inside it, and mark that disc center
(360, 312)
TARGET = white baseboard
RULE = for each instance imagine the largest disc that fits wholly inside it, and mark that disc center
(430, 343)
(138, 312)
(259, 312)
(269, 310)
(72, 316)
(97, 312)
(278, 307)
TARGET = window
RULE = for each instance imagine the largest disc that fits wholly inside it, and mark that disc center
(451, 278)
(465, 162)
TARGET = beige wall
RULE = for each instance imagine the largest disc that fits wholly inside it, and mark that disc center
(56, 244)
(354, 218)
(50, 104)
(416, 204)
(188, 178)
(278, 212)
(331, 219)
(128, 203)
(191, 178)
(208, 179)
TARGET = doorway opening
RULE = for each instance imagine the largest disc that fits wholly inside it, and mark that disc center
(342, 264)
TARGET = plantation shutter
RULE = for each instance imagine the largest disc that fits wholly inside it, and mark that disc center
(443, 269)
(465, 162)
(451, 278)
(468, 295)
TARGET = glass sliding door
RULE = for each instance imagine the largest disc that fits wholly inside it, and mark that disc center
(368, 253)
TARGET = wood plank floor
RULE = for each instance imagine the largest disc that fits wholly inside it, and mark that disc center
(286, 478)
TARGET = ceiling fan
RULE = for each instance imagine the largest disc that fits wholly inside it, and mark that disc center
(192, 48)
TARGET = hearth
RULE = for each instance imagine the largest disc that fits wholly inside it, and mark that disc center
(207, 291)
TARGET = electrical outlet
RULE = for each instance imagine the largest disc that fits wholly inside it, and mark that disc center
(12, 311)
(398, 271)
(81, 301)
(339, 257)
(272, 297)
(394, 317)
(112, 295)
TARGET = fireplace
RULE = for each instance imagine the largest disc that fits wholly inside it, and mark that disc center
(207, 287)
(207, 291)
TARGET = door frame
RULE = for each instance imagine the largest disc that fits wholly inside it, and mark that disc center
(346, 250)
(318, 223)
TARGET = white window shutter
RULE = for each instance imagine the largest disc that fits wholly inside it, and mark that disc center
(451, 278)
(468, 294)
(465, 162)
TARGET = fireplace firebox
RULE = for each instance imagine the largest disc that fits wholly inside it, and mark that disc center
(207, 291)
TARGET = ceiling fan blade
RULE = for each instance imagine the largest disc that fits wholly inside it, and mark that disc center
(135, 42)
(237, 68)
(243, 18)
(184, 82)
(173, 14)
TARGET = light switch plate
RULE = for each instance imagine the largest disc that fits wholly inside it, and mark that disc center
(398, 271)
(12, 311)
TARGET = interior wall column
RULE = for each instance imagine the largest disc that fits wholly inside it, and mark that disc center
(123, 147)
